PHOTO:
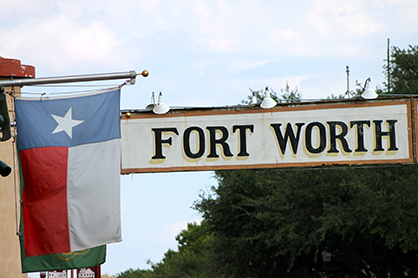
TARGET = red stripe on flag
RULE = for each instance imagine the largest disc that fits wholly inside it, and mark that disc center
(44, 207)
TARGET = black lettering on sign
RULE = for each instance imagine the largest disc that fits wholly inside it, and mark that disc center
(289, 135)
(243, 138)
(334, 136)
(159, 141)
(221, 141)
(322, 137)
(360, 134)
(201, 142)
(391, 134)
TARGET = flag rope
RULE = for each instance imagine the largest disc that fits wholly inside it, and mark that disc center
(127, 82)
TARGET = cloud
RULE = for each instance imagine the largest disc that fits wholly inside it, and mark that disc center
(66, 35)
(61, 44)
(17, 11)
(339, 19)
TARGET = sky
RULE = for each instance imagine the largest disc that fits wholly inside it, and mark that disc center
(200, 53)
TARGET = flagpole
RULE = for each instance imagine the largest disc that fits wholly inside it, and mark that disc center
(73, 78)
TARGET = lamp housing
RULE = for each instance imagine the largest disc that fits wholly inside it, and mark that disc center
(368, 92)
(152, 104)
(161, 107)
(268, 102)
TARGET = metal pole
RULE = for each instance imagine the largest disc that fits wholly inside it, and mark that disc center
(348, 78)
(74, 78)
(388, 62)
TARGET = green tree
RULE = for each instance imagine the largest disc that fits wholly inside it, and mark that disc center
(131, 273)
(403, 71)
(269, 223)
(193, 258)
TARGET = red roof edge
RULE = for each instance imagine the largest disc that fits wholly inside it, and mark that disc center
(13, 68)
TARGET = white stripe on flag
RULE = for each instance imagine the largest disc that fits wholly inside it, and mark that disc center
(93, 194)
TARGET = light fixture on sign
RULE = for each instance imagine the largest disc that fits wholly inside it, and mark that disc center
(161, 107)
(253, 99)
(268, 102)
(368, 92)
(152, 104)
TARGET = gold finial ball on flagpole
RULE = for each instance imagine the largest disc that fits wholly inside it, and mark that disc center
(145, 73)
(128, 115)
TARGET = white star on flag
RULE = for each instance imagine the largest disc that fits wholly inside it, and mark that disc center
(66, 123)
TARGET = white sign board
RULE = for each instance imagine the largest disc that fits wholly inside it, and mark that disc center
(57, 274)
(302, 136)
(86, 273)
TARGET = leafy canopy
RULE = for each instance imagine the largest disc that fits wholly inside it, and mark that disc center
(403, 71)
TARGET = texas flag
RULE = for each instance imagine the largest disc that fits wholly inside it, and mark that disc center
(69, 151)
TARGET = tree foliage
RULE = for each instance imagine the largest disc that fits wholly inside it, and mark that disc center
(131, 273)
(403, 70)
(270, 223)
(193, 258)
